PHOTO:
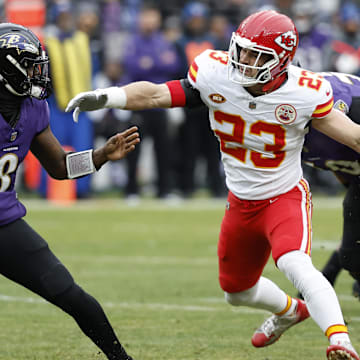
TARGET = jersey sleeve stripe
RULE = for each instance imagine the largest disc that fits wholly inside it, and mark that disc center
(323, 109)
(193, 71)
(177, 93)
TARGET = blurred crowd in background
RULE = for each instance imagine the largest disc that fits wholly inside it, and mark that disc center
(94, 44)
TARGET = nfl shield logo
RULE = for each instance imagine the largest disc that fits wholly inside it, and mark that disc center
(252, 105)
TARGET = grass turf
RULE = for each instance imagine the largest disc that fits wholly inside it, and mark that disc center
(154, 270)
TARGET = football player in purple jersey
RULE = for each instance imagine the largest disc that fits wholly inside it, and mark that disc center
(25, 257)
(324, 153)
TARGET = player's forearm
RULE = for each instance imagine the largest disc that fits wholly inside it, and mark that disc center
(340, 128)
(99, 157)
(140, 95)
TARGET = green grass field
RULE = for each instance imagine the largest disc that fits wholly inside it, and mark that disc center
(154, 270)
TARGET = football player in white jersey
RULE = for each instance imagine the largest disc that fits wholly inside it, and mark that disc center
(259, 107)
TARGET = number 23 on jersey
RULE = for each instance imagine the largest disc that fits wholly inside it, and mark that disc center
(231, 141)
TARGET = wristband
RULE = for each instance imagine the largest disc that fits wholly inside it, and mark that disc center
(79, 164)
(178, 96)
(116, 97)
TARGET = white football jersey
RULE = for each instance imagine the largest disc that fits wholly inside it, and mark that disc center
(261, 137)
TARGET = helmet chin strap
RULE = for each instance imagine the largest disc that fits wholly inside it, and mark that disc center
(274, 84)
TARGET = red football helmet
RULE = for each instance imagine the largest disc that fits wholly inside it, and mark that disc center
(265, 32)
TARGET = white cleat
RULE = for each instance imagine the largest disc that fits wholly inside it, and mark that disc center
(271, 330)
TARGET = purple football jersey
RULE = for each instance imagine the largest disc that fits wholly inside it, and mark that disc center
(325, 153)
(15, 144)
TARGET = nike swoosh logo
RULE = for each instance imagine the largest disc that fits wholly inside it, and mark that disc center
(273, 200)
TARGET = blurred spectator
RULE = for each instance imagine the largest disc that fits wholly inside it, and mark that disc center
(283, 6)
(69, 51)
(195, 138)
(327, 9)
(345, 47)
(108, 122)
(192, 26)
(314, 37)
(119, 18)
(88, 21)
(234, 10)
(149, 56)
(221, 30)
(172, 28)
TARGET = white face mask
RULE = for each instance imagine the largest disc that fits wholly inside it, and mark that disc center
(237, 71)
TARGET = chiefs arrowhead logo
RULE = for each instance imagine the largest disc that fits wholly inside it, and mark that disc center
(217, 98)
(285, 113)
(287, 40)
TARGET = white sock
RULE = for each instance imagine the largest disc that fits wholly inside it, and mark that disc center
(319, 295)
(291, 307)
(264, 295)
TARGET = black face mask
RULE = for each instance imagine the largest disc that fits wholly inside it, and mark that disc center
(10, 106)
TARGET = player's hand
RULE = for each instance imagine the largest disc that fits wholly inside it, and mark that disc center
(87, 101)
(119, 145)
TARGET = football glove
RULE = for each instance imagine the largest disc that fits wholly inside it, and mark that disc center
(87, 101)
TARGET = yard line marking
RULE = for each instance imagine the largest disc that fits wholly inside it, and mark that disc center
(119, 204)
(324, 244)
(143, 260)
(196, 204)
(171, 260)
(168, 260)
(109, 304)
(159, 306)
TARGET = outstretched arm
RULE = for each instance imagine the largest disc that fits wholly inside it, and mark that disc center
(146, 95)
(339, 127)
(53, 158)
(140, 95)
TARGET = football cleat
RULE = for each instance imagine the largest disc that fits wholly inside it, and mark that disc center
(272, 328)
(342, 351)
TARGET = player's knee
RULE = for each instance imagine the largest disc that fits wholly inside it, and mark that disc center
(241, 298)
(57, 280)
(233, 299)
(72, 299)
(350, 259)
